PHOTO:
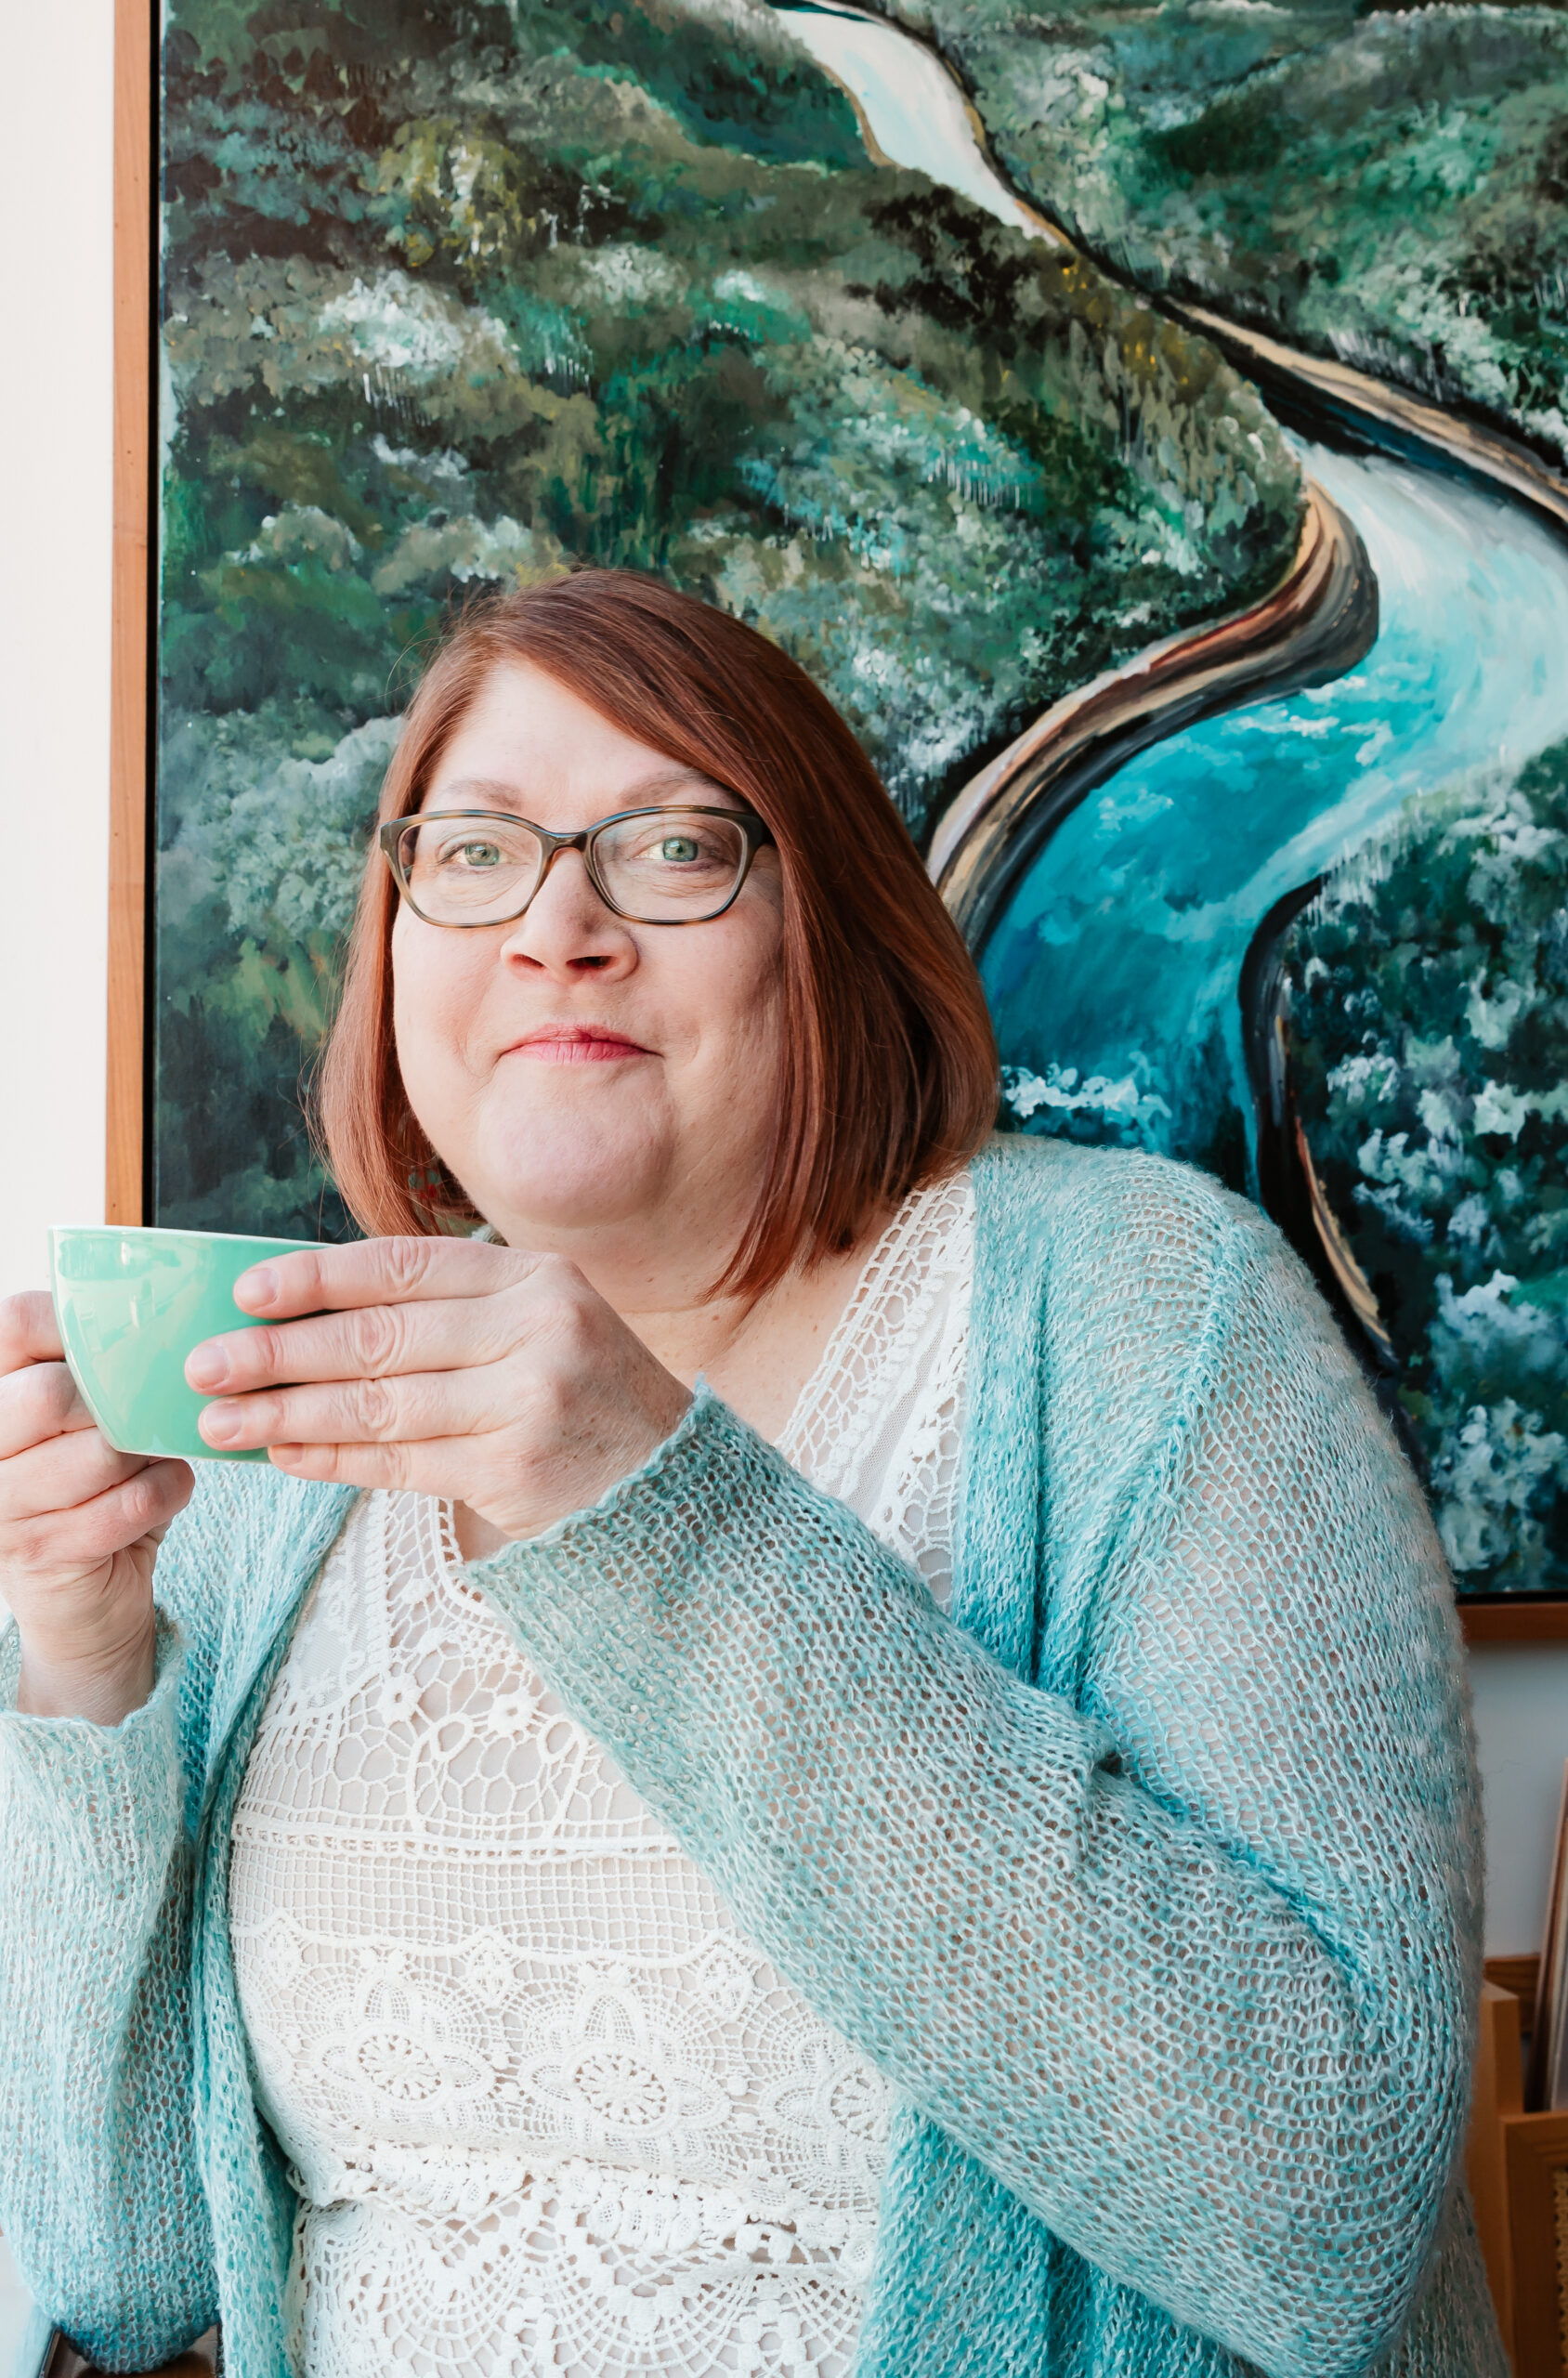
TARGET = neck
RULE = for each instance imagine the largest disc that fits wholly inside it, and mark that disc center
(756, 1352)
(696, 1334)
(656, 1268)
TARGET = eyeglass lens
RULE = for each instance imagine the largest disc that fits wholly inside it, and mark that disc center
(667, 866)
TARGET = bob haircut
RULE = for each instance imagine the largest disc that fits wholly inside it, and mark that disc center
(889, 1076)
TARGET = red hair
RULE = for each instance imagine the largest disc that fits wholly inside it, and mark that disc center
(889, 1069)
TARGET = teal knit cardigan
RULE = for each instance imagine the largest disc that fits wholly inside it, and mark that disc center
(1148, 1878)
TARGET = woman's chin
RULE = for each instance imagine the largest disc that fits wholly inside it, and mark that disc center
(565, 1174)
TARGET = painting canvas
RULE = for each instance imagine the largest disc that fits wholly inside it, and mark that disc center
(1146, 424)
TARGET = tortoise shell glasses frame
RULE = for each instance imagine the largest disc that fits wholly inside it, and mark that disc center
(751, 831)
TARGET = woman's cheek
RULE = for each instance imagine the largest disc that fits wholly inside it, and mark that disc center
(746, 1089)
(432, 1010)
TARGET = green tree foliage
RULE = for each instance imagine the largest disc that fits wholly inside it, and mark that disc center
(456, 295)
(1383, 183)
(1429, 1032)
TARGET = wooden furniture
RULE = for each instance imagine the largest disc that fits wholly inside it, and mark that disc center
(1518, 2169)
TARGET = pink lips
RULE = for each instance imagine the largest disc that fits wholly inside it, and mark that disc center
(576, 1044)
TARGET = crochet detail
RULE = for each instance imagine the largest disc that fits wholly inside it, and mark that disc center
(544, 2106)
(880, 1423)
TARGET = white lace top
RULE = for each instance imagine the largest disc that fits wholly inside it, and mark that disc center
(544, 2108)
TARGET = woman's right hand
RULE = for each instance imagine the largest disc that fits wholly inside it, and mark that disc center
(80, 1527)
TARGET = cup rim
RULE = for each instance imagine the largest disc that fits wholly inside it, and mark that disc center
(154, 1230)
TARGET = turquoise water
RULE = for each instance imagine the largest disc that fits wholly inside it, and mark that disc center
(1114, 971)
(1118, 959)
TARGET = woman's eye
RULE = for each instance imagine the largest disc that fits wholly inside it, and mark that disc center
(474, 855)
(679, 848)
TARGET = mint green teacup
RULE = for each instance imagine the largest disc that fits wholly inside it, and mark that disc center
(131, 1305)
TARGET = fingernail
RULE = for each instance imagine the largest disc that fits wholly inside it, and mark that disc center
(207, 1367)
(220, 1423)
(255, 1289)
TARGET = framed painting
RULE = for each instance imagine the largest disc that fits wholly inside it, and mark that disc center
(1148, 430)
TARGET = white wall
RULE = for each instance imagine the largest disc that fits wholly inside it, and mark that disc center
(1521, 1738)
(55, 431)
(56, 415)
(56, 412)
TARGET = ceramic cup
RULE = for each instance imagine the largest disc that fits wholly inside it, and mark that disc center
(131, 1305)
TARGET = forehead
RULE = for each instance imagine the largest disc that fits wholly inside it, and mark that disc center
(529, 742)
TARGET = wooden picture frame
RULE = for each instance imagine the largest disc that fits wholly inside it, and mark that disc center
(1498, 1619)
(1513, 1618)
(130, 712)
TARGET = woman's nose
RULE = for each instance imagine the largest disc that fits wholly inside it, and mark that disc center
(566, 928)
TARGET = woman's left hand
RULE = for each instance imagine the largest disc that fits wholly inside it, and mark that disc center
(493, 1378)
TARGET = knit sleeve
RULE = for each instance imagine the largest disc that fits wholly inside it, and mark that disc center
(1185, 1960)
(100, 2200)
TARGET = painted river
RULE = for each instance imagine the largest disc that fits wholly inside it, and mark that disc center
(1113, 971)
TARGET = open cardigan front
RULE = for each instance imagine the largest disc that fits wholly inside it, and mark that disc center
(1148, 1878)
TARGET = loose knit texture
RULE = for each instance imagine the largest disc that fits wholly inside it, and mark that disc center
(1148, 1879)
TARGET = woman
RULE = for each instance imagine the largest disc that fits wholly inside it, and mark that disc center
(828, 1744)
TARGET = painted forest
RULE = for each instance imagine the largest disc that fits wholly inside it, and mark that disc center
(1381, 183)
(454, 294)
(1427, 991)
(458, 294)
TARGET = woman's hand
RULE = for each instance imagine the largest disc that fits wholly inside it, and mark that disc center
(80, 1526)
(498, 1379)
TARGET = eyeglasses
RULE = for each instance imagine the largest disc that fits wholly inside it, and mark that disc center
(465, 868)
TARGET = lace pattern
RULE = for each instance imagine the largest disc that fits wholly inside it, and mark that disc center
(879, 1424)
(545, 2107)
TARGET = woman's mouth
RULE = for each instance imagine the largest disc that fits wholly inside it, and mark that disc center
(576, 1044)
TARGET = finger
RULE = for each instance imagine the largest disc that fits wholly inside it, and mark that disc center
(429, 1468)
(366, 1411)
(28, 1330)
(370, 1341)
(377, 1271)
(41, 1400)
(62, 1473)
(95, 1530)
